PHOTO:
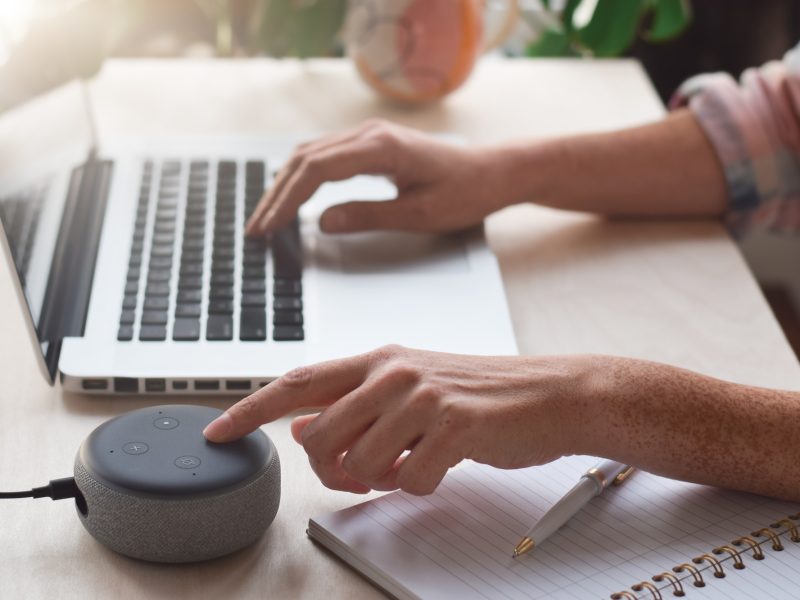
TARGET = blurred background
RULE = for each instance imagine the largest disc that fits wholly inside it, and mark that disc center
(674, 39)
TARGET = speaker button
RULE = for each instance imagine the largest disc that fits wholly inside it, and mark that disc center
(187, 462)
(165, 423)
(135, 448)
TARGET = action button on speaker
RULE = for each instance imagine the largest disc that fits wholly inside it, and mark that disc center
(135, 448)
(187, 462)
(166, 423)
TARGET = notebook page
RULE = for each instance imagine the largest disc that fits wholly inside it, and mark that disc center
(458, 541)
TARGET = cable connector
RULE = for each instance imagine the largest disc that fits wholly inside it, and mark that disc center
(57, 489)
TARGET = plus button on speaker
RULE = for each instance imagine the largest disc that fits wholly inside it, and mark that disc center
(157, 490)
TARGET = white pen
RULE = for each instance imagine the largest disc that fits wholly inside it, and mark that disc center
(591, 483)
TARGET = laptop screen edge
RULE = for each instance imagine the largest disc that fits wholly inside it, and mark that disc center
(30, 326)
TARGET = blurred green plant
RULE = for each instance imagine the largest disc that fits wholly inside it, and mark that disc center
(613, 27)
(301, 28)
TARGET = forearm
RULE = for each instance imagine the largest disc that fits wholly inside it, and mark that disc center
(688, 426)
(667, 168)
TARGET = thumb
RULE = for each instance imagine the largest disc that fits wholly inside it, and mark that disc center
(299, 424)
(403, 213)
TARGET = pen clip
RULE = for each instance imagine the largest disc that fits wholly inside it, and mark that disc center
(622, 476)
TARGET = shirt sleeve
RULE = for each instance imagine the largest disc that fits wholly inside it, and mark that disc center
(754, 127)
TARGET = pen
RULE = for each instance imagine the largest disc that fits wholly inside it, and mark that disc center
(591, 484)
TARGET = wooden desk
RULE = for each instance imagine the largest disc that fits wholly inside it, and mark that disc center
(677, 292)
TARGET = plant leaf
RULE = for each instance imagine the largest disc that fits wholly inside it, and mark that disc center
(568, 14)
(301, 29)
(670, 18)
(551, 43)
(612, 28)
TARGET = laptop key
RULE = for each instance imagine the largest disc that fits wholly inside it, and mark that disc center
(191, 269)
(254, 260)
(153, 333)
(254, 285)
(256, 300)
(157, 289)
(158, 276)
(195, 232)
(163, 238)
(189, 296)
(161, 262)
(220, 307)
(288, 287)
(153, 317)
(286, 333)
(127, 318)
(131, 287)
(156, 303)
(186, 330)
(286, 254)
(165, 227)
(222, 279)
(253, 324)
(224, 253)
(189, 256)
(254, 272)
(287, 317)
(219, 328)
(221, 293)
(190, 283)
(125, 333)
(193, 244)
(161, 250)
(287, 303)
(220, 264)
(187, 310)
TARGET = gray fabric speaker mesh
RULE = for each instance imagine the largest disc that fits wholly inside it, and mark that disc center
(180, 530)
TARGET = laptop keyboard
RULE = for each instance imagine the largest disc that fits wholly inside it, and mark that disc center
(20, 215)
(200, 277)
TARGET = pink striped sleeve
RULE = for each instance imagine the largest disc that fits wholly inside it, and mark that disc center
(754, 127)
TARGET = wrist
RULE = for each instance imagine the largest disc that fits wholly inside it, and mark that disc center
(522, 171)
(566, 394)
(600, 387)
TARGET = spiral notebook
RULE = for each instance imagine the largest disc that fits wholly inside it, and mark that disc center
(650, 538)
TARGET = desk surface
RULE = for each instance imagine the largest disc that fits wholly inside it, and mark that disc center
(677, 292)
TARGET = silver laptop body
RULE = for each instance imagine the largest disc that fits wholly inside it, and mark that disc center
(130, 259)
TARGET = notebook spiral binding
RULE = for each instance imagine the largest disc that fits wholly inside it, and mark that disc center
(701, 567)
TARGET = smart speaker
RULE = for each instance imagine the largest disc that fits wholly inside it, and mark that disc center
(155, 489)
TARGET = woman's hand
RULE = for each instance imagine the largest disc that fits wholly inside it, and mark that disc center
(441, 187)
(504, 411)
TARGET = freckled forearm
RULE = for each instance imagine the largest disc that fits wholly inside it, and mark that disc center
(688, 426)
(667, 168)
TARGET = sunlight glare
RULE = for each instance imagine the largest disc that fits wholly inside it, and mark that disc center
(14, 18)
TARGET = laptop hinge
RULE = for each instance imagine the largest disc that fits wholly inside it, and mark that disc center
(69, 285)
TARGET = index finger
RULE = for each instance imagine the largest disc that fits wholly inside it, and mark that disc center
(362, 156)
(312, 386)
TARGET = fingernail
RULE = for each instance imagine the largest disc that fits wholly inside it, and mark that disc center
(219, 427)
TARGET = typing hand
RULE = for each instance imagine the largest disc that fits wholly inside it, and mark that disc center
(441, 187)
(505, 411)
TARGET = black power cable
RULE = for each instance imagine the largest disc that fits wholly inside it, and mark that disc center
(57, 489)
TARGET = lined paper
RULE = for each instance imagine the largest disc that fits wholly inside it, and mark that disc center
(458, 541)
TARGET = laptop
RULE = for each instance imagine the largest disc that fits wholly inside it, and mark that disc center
(130, 260)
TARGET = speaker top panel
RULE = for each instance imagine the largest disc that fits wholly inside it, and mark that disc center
(161, 451)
